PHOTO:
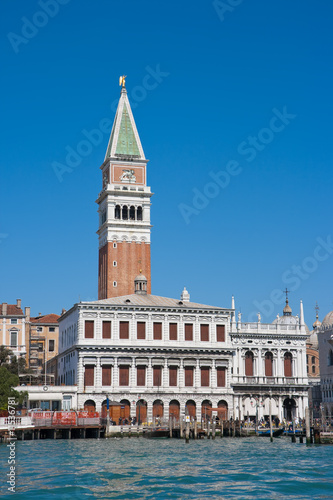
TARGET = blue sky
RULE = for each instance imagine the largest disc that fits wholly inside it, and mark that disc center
(222, 80)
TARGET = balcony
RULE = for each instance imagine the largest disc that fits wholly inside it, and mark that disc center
(268, 381)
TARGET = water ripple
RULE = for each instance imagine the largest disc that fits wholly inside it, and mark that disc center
(128, 469)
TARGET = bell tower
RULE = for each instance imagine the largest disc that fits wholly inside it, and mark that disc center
(124, 208)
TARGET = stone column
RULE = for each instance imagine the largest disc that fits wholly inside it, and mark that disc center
(299, 366)
(80, 375)
(149, 411)
(149, 374)
(240, 367)
(300, 407)
(279, 372)
(260, 364)
(181, 374)
(280, 408)
(197, 374)
(149, 328)
(165, 373)
(98, 376)
(294, 364)
(196, 333)
(213, 376)
(115, 375)
(98, 327)
(132, 381)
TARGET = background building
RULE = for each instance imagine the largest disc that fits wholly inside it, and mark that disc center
(43, 341)
(14, 327)
(325, 343)
(313, 368)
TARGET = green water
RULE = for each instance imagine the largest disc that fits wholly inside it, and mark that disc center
(248, 468)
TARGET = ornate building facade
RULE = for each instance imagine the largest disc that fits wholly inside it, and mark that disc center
(270, 364)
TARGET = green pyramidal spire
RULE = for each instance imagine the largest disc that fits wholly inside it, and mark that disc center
(124, 139)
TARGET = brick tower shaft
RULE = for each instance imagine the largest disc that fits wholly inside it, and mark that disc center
(124, 209)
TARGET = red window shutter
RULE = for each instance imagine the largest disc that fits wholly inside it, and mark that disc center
(106, 330)
(89, 375)
(220, 333)
(89, 329)
(157, 331)
(288, 365)
(141, 330)
(141, 375)
(173, 370)
(220, 372)
(123, 329)
(204, 333)
(188, 376)
(188, 331)
(205, 376)
(173, 331)
(268, 364)
(157, 376)
(123, 375)
(106, 375)
(249, 364)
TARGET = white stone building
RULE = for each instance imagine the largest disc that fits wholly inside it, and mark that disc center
(270, 364)
(165, 353)
(169, 356)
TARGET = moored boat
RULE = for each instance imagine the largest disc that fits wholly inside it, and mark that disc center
(264, 431)
(156, 432)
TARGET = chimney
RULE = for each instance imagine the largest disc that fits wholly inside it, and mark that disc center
(4, 309)
(18, 303)
(27, 313)
(39, 314)
(185, 296)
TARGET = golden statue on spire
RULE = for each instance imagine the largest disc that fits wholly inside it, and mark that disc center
(122, 80)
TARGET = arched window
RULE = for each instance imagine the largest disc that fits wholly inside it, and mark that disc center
(132, 213)
(249, 364)
(288, 372)
(139, 213)
(117, 212)
(125, 212)
(269, 364)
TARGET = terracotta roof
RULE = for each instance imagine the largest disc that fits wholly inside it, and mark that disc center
(48, 318)
(12, 310)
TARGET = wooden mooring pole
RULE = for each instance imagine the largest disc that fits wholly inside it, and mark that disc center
(181, 428)
(307, 426)
(187, 432)
(270, 420)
